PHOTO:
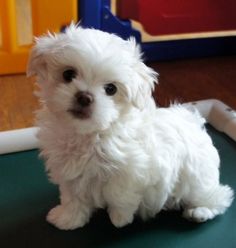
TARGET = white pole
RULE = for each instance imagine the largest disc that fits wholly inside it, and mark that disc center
(218, 114)
(18, 140)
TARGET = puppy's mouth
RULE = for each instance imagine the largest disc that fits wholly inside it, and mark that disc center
(80, 113)
(82, 105)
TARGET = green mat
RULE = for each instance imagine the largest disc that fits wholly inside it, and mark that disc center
(26, 196)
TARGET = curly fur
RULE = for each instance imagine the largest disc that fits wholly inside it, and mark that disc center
(128, 156)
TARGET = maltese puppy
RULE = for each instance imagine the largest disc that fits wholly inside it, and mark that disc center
(107, 145)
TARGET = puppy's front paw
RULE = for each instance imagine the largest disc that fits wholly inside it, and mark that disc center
(120, 218)
(63, 218)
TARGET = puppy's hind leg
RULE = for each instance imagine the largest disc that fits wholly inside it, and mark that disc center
(153, 201)
(208, 205)
(204, 196)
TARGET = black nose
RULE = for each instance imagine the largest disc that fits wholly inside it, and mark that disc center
(84, 99)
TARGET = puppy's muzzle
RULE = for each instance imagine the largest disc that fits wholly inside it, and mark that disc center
(84, 99)
(82, 105)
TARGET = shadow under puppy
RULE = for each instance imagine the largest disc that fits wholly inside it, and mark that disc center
(105, 143)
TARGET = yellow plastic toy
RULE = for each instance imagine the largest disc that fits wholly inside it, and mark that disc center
(21, 20)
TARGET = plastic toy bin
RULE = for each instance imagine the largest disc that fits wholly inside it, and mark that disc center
(26, 196)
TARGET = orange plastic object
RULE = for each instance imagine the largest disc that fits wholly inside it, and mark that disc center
(46, 15)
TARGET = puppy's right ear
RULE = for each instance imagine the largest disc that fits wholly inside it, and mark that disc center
(37, 64)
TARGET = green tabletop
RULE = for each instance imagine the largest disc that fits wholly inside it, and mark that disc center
(26, 196)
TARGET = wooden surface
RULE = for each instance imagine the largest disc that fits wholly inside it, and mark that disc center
(185, 80)
(192, 80)
(17, 102)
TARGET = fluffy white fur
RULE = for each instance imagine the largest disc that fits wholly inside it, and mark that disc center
(128, 156)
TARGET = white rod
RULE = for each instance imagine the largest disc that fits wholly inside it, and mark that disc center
(218, 114)
(18, 140)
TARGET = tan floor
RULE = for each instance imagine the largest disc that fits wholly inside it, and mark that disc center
(191, 80)
(17, 102)
(185, 80)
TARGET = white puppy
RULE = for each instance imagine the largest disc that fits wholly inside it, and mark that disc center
(107, 145)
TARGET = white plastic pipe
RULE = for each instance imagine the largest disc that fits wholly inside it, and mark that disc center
(218, 114)
(18, 140)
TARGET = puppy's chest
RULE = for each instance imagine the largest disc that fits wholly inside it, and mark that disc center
(86, 157)
(92, 158)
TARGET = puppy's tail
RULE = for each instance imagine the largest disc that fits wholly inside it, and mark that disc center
(220, 199)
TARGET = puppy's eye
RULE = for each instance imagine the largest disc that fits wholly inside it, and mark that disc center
(110, 89)
(68, 75)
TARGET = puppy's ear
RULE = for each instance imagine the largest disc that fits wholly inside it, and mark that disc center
(37, 64)
(144, 79)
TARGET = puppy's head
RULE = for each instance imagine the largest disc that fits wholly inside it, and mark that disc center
(89, 77)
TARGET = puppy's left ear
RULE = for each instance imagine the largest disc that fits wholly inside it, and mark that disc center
(144, 79)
